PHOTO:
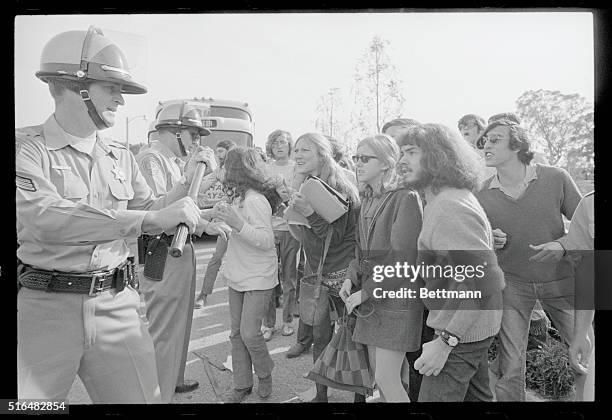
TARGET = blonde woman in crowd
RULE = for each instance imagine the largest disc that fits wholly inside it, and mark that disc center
(313, 156)
(390, 220)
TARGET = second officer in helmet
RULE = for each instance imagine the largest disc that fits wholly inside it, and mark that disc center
(168, 288)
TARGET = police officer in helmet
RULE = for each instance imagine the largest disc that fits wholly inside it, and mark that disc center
(78, 198)
(168, 292)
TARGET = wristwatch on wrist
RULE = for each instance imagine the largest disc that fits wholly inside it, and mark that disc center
(450, 339)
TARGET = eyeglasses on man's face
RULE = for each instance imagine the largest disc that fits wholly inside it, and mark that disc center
(362, 158)
(492, 138)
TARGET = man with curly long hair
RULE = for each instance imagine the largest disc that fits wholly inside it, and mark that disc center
(455, 233)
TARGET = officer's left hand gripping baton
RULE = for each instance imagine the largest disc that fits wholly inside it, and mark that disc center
(180, 236)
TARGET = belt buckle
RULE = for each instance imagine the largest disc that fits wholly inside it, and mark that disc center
(96, 284)
(127, 272)
(133, 277)
(120, 284)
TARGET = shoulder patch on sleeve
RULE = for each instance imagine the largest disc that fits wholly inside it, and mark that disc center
(25, 183)
(150, 164)
(31, 131)
(27, 133)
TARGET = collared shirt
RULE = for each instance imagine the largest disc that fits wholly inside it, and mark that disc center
(518, 190)
(76, 209)
(84, 145)
(159, 167)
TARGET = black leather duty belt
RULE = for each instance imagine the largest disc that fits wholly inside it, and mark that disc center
(90, 283)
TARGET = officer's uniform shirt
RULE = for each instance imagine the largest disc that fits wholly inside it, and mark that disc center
(76, 199)
(169, 302)
(159, 167)
(162, 170)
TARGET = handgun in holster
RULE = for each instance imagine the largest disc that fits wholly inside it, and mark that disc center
(153, 251)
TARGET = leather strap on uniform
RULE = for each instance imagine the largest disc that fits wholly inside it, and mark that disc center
(178, 132)
(180, 143)
(91, 110)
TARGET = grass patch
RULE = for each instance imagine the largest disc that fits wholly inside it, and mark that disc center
(548, 369)
(549, 372)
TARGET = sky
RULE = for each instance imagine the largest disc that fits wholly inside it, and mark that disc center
(450, 64)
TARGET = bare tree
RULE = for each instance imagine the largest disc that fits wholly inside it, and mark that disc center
(564, 126)
(374, 98)
(376, 90)
(328, 111)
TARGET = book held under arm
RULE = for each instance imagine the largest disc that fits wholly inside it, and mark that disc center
(327, 202)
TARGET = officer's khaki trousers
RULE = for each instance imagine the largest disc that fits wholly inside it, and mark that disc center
(102, 339)
(169, 310)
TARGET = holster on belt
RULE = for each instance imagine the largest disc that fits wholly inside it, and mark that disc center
(155, 255)
(20, 269)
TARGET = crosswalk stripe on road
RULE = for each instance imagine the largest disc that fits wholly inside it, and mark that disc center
(209, 340)
(200, 313)
(210, 327)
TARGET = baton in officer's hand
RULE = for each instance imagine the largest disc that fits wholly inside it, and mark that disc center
(180, 236)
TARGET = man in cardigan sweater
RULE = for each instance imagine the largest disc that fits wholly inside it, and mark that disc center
(526, 202)
(455, 233)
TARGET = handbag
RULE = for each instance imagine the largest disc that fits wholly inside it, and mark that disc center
(333, 292)
(344, 364)
(312, 295)
(326, 201)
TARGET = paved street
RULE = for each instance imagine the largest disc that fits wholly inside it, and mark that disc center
(210, 337)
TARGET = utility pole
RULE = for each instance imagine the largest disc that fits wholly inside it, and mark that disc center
(127, 127)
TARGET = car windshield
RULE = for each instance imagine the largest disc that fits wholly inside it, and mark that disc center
(238, 137)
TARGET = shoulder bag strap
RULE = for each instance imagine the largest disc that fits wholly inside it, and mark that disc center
(319, 279)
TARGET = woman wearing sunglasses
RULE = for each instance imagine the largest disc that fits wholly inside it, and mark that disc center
(313, 156)
(389, 224)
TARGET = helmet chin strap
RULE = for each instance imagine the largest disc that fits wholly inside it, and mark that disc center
(92, 111)
(180, 143)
